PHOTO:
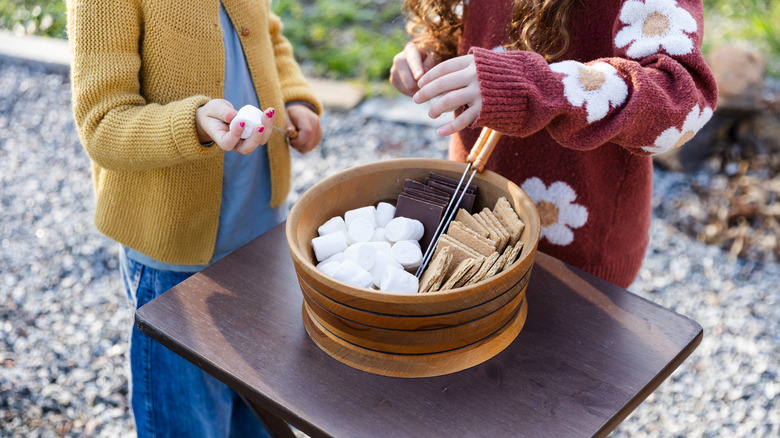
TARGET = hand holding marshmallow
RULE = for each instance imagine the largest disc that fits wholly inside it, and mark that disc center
(217, 121)
(252, 118)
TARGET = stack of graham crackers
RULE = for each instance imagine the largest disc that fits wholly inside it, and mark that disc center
(475, 247)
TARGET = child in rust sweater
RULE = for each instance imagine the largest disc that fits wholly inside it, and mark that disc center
(585, 92)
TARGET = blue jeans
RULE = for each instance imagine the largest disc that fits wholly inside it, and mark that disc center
(170, 396)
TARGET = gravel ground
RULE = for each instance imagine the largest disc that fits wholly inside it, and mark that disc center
(64, 319)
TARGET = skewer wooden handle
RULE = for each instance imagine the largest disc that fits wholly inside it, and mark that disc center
(289, 132)
(486, 150)
(483, 136)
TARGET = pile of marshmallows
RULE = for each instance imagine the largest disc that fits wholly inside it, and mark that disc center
(369, 247)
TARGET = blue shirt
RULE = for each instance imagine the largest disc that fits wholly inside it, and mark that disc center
(245, 212)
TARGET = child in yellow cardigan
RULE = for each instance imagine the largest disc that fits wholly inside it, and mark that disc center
(155, 86)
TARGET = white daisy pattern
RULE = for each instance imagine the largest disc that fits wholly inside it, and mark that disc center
(653, 25)
(597, 86)
(674, 138)
(557, 210)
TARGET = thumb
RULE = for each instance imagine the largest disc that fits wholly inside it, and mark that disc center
(414, 60)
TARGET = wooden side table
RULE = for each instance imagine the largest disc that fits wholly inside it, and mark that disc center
(589, 354)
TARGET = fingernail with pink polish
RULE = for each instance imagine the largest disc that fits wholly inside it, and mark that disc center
(241, 124)
(260, 130)
(270, 114)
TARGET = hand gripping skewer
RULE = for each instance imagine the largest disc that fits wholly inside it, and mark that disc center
(477, 159)
(289, 133)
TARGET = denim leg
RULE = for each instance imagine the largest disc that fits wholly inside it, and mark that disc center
(170, 396)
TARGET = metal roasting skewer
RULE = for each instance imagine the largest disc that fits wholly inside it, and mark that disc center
(289, 133)
(477, 159)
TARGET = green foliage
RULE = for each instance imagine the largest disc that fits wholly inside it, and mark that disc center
(30, 17)
(354, 39)
(357, 39)
(750, 22)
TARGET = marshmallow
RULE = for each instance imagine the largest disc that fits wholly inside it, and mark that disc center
(364, 212)
(399, 281)
(384, 213)
(361, 253)
(338, 257)
(329, 244)
(329, 268)
(380, 246)
(416, 242)
(251, 116)
(379, 236)
(383, 261)
(351, 273)
(333, 225)
(403, 228)
(360, 230)
(407, 254)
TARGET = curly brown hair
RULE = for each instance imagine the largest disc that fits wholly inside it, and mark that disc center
(537, 25)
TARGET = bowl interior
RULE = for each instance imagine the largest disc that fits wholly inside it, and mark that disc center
(383, 181)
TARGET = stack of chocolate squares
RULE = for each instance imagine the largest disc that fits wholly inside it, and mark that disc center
(475, 247)
(428, 201)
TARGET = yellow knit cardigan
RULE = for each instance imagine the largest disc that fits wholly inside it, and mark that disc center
(139, 70)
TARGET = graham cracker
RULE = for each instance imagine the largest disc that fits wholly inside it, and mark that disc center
(457, 274)
(493, 233)
(492, 216)
(515, 251)
(483, 270)
(459, 251)
(499, 265)
(491, 220)
(469, 275)
(509, 219)
(470, 238)
(466, 219)
(434, 274)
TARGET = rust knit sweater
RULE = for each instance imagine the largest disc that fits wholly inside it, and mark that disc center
(579, 133)
(140, 69)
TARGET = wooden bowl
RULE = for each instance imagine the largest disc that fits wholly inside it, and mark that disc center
(406, 335)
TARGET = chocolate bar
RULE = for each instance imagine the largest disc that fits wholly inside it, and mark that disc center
(451, 182)
(428, 213)
(428, 196)
(466, 203)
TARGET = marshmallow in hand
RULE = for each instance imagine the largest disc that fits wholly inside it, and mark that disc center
(252, 117)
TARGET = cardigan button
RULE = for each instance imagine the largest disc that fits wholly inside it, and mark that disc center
(245, 31)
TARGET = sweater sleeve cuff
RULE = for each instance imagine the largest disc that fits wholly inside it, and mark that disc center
(503, 89)
(183, 132)
(302, 94)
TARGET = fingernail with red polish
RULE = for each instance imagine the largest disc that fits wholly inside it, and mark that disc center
(241, 124)
(270, 114)
(260, 130)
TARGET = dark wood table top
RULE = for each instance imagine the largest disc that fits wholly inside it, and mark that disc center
(589, 354)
